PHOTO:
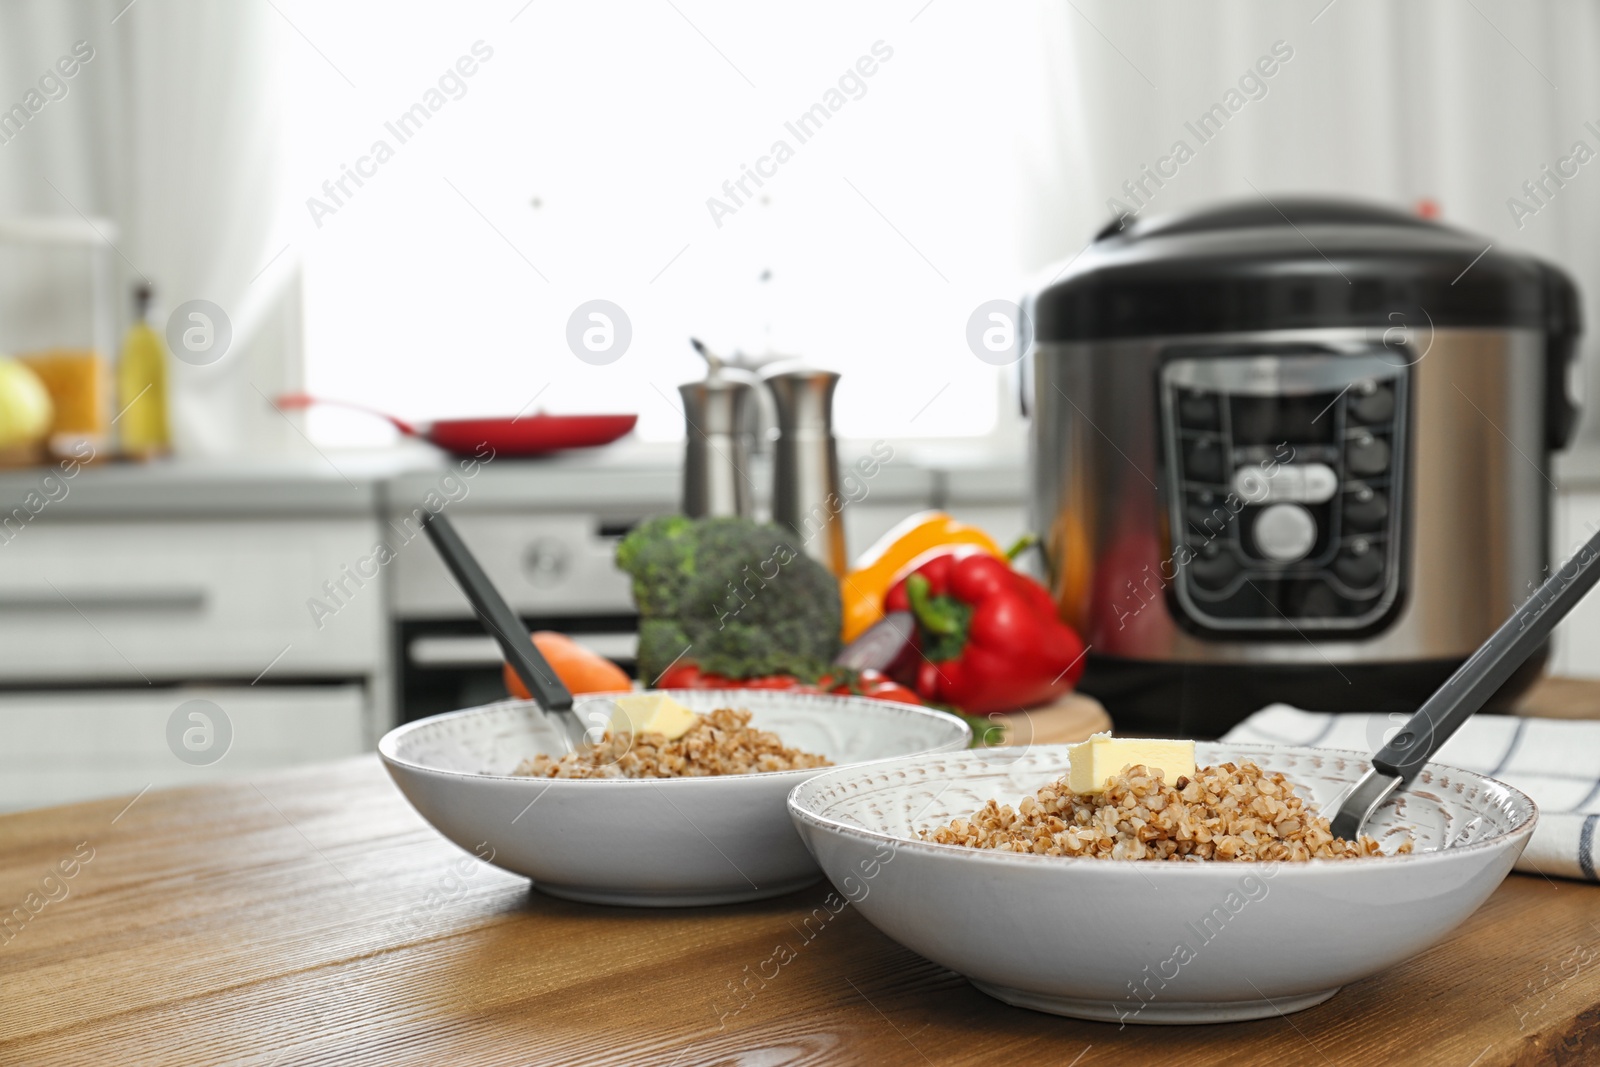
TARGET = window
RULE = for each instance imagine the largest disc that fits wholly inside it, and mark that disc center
(467, 215)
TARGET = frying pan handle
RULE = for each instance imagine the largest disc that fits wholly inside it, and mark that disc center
(301, 401)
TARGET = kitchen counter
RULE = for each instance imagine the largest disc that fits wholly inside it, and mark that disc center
(312, 917)
(631, 474)
(178, 488)
(309, 574)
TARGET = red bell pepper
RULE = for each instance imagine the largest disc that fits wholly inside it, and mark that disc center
(989, 637)
(874, 684)
(867, 683)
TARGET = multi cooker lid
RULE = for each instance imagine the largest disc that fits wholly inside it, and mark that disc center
(1296, 263)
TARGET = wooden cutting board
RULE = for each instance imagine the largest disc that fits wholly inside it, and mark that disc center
(1069, 720)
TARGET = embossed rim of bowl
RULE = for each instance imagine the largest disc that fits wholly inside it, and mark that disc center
(388, 745)
(1517, 798)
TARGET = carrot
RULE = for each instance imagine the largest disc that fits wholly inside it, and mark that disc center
(580, 670)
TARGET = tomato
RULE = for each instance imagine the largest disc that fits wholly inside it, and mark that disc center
(680, 676)
(867, 683)
(882, 687)
(770, 681)
(873, 684)
(690, 676)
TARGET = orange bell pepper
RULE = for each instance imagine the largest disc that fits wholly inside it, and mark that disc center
(896, 553)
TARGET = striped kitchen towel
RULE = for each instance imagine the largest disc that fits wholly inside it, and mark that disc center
(1554, 761)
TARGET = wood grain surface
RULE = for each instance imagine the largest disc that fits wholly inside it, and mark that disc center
(1067, 721)
(1561, 698)
(312, 917)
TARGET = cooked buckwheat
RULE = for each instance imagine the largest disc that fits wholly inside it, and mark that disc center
(722, 742)
(1227, 812)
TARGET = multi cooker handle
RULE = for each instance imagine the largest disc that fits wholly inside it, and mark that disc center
(1561, 408)
(1563, 317)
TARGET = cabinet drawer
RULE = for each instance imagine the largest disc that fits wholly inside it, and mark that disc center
(143, 601)
(62, 746)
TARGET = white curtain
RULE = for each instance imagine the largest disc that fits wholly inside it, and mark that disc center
(170, 130)
(1458, 103)
(996, 151)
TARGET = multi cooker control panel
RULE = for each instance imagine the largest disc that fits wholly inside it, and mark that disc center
(1285, 480)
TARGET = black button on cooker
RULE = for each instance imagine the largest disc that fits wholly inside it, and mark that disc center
(1366, 510)
(1359, 570)
(1317, 601)
(1367, 455)
(1213, 570)
(1202, 461)
(1207, 520)
(1198, 411)
(1375, 406)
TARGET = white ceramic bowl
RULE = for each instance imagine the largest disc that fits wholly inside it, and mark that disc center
(1156, 942)
(661, 841)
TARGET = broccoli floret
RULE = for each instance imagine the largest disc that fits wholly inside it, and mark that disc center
(742, 598)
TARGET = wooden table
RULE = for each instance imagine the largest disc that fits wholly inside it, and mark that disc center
(312, 917)
(1561, 698)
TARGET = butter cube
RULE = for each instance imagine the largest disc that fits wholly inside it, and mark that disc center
(652, 713)
(1103, 756)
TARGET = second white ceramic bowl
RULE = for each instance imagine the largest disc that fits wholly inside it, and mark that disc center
(1139, 942)
(650, 841)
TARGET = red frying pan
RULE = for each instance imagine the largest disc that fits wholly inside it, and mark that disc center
(524, 435)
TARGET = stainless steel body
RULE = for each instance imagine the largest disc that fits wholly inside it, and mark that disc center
(805, 492)
(1471, 517)
(716, 462)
